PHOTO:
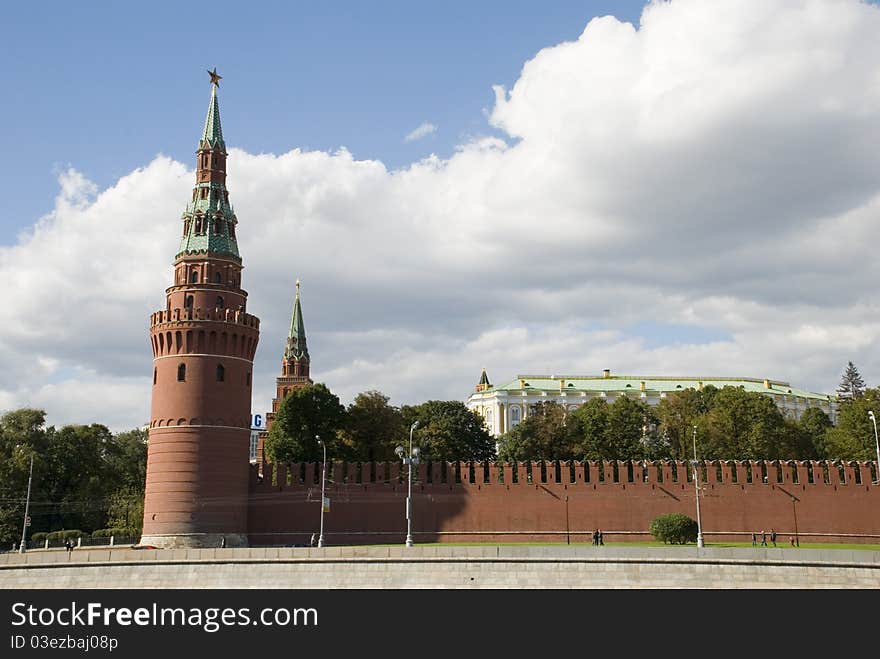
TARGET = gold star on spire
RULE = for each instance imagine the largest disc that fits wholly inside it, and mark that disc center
(215, 79)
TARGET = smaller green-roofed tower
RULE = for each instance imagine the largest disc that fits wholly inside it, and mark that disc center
(295, 363)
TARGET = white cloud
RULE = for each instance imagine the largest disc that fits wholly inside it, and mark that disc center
(716, 169)
(422, 130)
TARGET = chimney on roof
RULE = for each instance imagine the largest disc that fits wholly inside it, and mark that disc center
(606, 373)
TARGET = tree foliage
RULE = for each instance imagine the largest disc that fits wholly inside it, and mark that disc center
(547, 433)
(373, 428)
(674, 528)
(78, 471)
(852, 386)
(853, 437)
(448, 430)
(304, 415)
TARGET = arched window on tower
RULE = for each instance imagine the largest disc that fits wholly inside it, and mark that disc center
(221, 373)
(194, 277)
(189, 302)
(181, 372)
(217, 278)
(186, 226)
(219, 301)
(154, 375)
(217, 229)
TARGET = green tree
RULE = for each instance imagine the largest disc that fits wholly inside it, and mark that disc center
(448, 430)
(373, 428)
(624, 430)
(547, 433)
(22, 435)
(744, 425)
(814, 425)
(853, 437)
(304, 414)
(677, 415)
(852, 386)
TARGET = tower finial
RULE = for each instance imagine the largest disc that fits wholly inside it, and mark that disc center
(297, 287)
(215, 79)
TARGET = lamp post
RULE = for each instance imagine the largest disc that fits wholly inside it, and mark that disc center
(410, 459)
(27, 506)
(323, 479)
(697, 492)
(874, 421)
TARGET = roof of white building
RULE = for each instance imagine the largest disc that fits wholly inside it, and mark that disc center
(650, 384)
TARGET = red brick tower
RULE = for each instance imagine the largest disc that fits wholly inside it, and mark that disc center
(203, 350)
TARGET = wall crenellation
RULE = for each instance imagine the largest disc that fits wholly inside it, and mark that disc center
(712, 472)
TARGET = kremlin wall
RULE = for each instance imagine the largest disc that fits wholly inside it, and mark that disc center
(202, 491)
(814, 501)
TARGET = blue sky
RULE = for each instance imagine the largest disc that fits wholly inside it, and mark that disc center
(692, 189)
(105, 86)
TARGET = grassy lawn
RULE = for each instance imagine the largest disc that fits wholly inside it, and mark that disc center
(651, 543)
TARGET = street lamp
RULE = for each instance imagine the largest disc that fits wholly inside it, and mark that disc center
(323, 479)
(27, 505)
(877, 472)
(697, 492)
(411, 459)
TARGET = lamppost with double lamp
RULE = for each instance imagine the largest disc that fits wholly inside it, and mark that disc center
(411, 459)
(697, 492)
(323, 480)
(874, 421)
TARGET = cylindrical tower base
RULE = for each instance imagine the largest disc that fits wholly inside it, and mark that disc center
(195, 540)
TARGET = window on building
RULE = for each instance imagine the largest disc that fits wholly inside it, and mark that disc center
(181, 372)
(247, 379)
(514, 416)
(217, 278)
(189, 302)
(221, 373)
(255, 440)
(194, 277)
(219, 301)
(154, 376)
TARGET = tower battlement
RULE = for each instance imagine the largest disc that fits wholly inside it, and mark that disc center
(188, 315)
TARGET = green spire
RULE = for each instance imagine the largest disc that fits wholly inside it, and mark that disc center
(296, 340)
(484, 379)
(209, 220)
(212, 136)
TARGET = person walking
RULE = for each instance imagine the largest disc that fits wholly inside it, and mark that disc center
(763, 538)
(223, 542)
(773, 537)
(754, 540)
(68, 545)
(596, 538)
(601, 542)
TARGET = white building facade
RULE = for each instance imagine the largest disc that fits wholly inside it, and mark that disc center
(503, 407)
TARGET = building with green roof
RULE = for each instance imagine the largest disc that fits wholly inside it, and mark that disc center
(504, 406)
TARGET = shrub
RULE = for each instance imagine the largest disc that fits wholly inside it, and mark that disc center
(674, 528)
(73, 534)
(39, 536)
(116, 531)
